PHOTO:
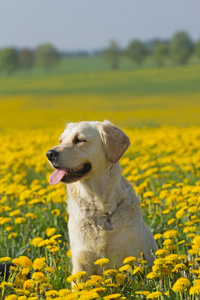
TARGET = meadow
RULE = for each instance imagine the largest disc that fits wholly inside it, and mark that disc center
(159, 111)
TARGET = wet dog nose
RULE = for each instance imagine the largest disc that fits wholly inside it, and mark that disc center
(52, 154)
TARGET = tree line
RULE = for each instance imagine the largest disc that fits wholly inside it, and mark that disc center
(44, 56)
(178, 50)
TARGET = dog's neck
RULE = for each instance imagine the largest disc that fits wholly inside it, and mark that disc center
(99, 190)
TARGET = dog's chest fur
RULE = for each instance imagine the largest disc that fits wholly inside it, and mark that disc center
(95, 227)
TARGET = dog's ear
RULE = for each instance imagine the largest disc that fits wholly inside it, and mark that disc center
(115, 141)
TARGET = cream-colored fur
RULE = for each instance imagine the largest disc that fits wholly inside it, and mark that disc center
(105, 219)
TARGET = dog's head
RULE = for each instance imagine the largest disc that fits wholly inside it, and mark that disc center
(86, 148)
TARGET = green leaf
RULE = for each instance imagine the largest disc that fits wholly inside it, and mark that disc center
(172, 294)
(22, 250)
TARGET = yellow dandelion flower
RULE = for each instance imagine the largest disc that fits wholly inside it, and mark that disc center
(189, 229)
(69, 253)
(171, 221)
(99, 290)
(52, 248)
(180, 213)
(15, 213)
(20, 220)
(29, 284)
(152, 275)
(192, 251)
(11, 297)
(159, 261)
(125, 268)
(12, 235)
(173, 257)
(9, 228)
(161, 252)
(179, 267)
(129, 259)
(50, 231)
(76, 276)
(120, 278)
(36, 241)
(39, 276)
(112, 296)
(171, 233)
(55, 212)
(87, 295)
(102, 261)
(7, 284)
(50, 270)
(137, 270)
(178, 288)
(64, 292)
(51, 293)
(22, 298)
(4, 221)
(44, 243)
(195, 290)
(110, 272)
(148, 194)
(183, 281)
(39, 263)
(157, 236)
(96, 278)
(167, 242)
(30, 216)
(154, 295)
(22, 261)
(54, 237)
(5, 259)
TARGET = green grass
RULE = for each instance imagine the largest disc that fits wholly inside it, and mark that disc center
(91, 75)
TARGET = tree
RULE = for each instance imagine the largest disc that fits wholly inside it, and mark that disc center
(8, 60)
(160, 53)
(46, 56)
(136, 51)
(26, 59)
(197, 48)
(181, 47)
(112, 54)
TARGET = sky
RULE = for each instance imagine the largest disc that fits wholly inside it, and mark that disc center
(72, 25)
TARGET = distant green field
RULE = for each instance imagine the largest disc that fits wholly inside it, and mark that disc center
(85, 88)
(93, 76)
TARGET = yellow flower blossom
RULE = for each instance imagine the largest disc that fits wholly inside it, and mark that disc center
(39, 263)
(5, 259)
(50, 231)
(129, 259)
(76, 276)
(35, 242)
(112, 296)
(101, 261)
(22, 261)
(154, 295)
(20, 220)
(11, 297)
(171, 233)
(12, 235)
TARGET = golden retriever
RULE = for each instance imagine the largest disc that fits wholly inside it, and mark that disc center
(105, 219)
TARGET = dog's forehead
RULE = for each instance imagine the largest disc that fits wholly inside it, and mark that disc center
(87, 129)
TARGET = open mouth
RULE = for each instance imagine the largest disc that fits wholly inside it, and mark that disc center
(67, 175)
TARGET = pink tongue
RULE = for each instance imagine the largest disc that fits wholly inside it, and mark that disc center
(57, 176)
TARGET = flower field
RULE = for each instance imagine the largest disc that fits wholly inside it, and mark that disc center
(163, 164)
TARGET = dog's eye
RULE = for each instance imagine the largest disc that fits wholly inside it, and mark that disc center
(79, 140)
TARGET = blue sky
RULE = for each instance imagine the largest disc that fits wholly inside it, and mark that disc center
(92, 24)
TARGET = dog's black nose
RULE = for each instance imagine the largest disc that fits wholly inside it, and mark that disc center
(52, 154)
